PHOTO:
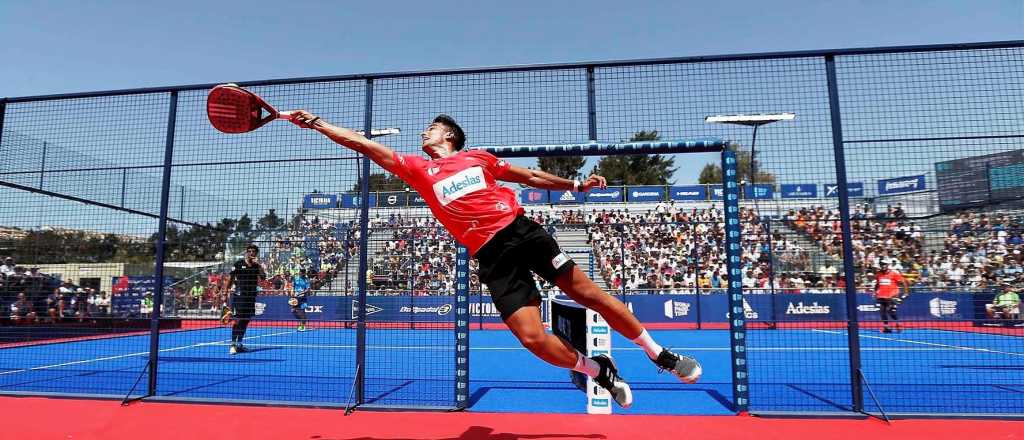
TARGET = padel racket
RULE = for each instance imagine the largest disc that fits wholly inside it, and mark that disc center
(232, 109)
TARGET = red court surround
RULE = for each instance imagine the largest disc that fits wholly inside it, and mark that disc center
(41, 418)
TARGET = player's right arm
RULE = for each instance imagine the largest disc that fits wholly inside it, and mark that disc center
(379, 153)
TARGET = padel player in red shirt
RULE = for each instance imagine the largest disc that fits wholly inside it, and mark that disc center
(461, 188)
(888, 295)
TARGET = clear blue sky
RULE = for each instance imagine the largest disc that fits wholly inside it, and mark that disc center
(71, 46)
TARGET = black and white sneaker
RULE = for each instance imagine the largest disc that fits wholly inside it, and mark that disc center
(686, 368)
(610, 380)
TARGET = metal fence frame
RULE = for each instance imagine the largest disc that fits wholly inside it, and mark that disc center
(828, 56)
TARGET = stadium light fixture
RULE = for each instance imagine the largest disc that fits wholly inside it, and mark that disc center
(755, 120)
(750, 120)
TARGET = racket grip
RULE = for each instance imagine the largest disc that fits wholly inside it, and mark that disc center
(285, 114)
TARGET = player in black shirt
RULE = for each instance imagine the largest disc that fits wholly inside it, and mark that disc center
(245, 276)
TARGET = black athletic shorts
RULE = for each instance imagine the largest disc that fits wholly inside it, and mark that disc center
(243, 306)
(510, 258)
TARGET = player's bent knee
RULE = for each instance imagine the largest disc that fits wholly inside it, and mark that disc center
(532, 340)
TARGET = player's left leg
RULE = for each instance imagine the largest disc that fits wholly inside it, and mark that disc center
(527, 326)
(895, 318)
(883, 311)
(299, 312)
(584, 291)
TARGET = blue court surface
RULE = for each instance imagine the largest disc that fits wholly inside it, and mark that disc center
(919, 370)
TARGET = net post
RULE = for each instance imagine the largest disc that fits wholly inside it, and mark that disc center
(599, 341)
(852, 325)
(461, 327)
(590, 335)
(158, 299)
(733, 252)
(364, 221)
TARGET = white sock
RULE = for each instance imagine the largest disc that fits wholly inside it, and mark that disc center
(647, 343)
(586, 365)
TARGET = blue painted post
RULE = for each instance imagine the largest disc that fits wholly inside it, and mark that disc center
(733, 252)
(461, 327)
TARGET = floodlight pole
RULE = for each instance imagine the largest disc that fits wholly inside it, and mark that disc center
(757, 121)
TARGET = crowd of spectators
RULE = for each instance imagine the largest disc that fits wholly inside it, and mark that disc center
(415, 253)
(669, 249)
(979, 251)
(30, 296)
(663, 248)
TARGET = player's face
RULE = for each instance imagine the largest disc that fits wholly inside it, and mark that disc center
(433, 138)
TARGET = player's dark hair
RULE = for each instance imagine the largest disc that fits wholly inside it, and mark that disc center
(253, 247)
(460, 136)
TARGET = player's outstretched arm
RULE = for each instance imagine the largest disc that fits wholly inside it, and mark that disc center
(377, 152)
(544, 180)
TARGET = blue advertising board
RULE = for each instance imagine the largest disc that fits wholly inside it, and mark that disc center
(352, 200)
(757, 306)
(392, 199)
(127, 294)
(561, 197)
(645, 193)
(853, 189)
(533, 196)
(901, 185)
(799, 191)
(688, 192)
(607, 195)
(760, 191)
(716, 192)
(320, 201)
(415, 199)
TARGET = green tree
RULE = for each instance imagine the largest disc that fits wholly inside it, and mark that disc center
(382, 182)
(243, 232)
(637, 169)
(564, 166)
(712, 173)
(270, 221)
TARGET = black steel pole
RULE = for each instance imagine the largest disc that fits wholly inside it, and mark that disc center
(771, 270)
(165, 190)
(124, 184)
(42, 166)
(364, 221)
(852, 326)
(591, 105)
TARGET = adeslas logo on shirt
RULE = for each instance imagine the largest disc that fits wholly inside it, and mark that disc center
(457, 185)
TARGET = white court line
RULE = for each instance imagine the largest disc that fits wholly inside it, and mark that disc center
(108, 358)
(680, 349)
(934, 344)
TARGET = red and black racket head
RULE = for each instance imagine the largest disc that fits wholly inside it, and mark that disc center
(232, 109)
